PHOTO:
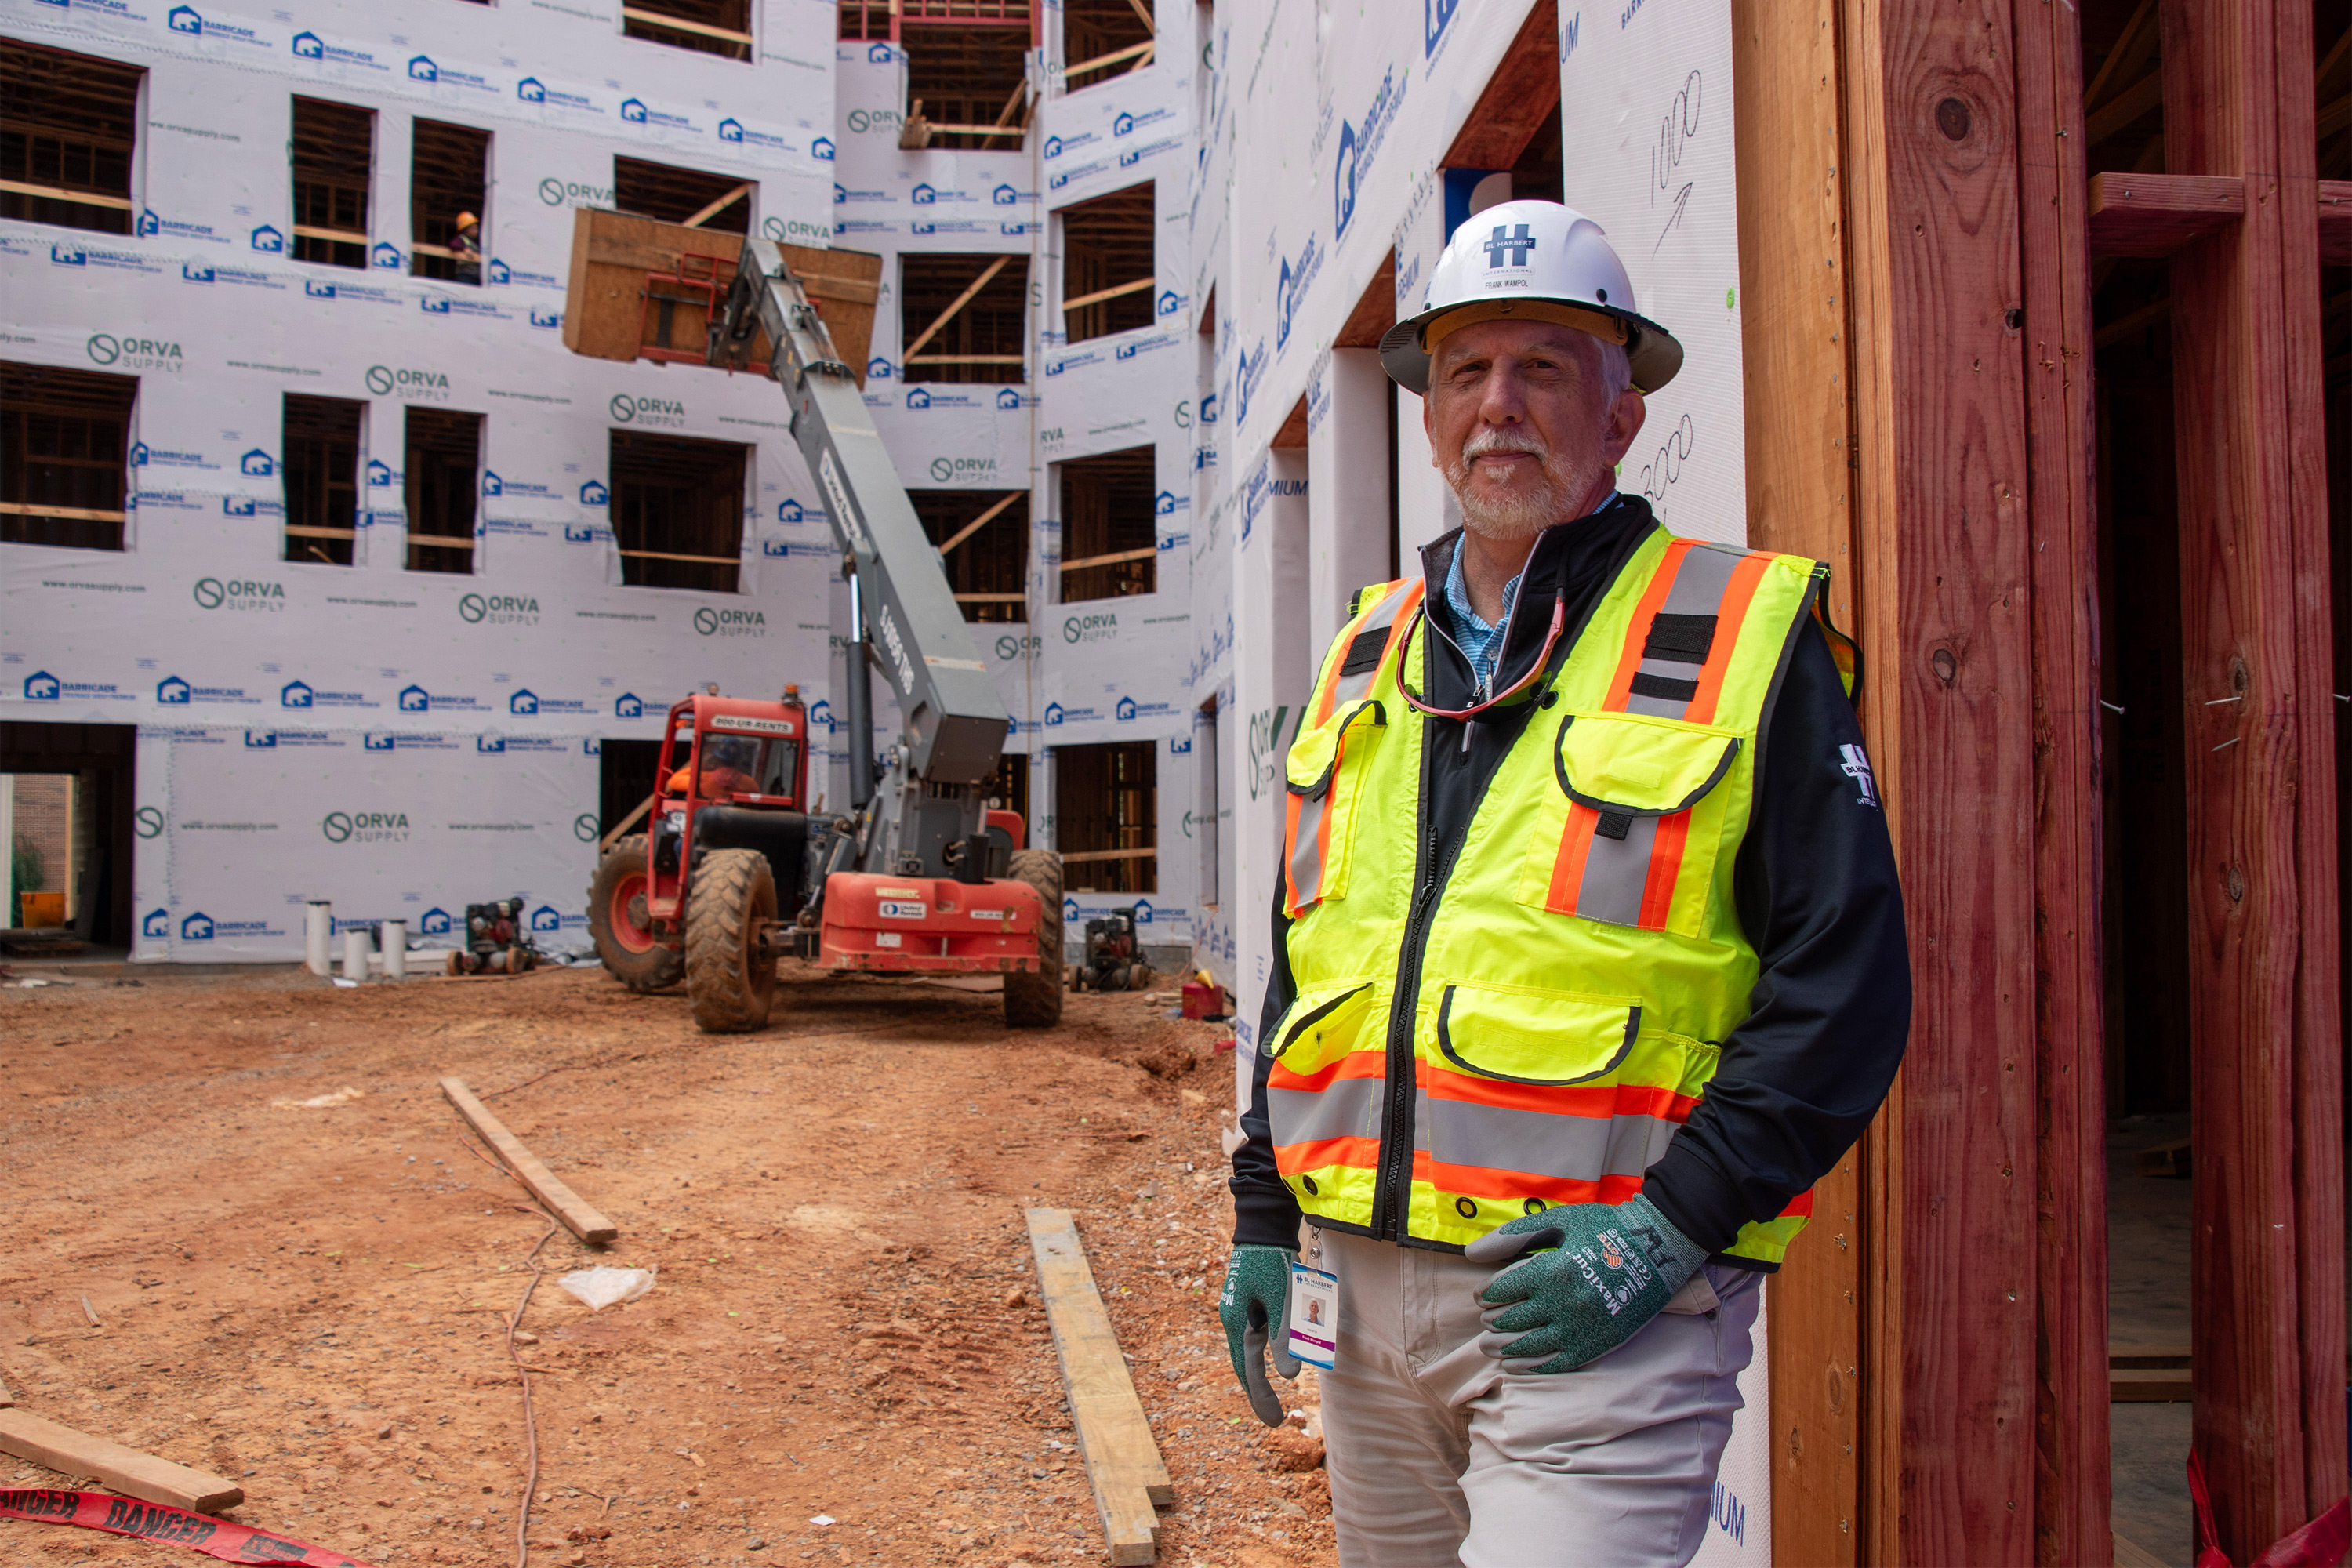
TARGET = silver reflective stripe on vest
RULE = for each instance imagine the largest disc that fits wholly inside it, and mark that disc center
(1346, 1108)
(1346, 688)
(1616, 873)
(1570, 1148)
(1698, 588)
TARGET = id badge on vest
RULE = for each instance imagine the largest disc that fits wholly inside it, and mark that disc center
(1314, 1315)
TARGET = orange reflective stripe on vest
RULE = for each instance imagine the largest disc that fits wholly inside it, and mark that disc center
(1621, 870)
(1362, 648)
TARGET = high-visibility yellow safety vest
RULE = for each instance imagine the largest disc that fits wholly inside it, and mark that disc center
(1560, 1001)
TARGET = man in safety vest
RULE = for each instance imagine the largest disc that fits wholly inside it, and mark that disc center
(1589, 961)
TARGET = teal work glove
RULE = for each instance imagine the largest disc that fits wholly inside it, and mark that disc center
(1254, 1307)
(1601, 1271)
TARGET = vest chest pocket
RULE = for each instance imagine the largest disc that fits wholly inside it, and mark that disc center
(1323, 773)
(1636, 833)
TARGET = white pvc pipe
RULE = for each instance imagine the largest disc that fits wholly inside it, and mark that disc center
(355, 953)
(318, 929)
(395, 949)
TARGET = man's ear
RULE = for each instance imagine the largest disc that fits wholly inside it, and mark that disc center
(1625, 417)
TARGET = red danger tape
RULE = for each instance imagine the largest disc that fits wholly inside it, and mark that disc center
(221, 1538)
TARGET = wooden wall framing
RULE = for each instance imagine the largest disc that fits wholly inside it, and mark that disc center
(1915, 238)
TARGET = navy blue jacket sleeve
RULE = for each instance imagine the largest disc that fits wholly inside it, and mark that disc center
(1830, 1013)
(1264, 1213)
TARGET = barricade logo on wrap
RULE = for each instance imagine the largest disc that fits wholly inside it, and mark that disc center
(197, 927)
(156, 926)
(919, 397)
(257, 464)
(42, 687)
(432, 922)
(593, 493)
(239, 593)
(880, 369)
(134, 353)
(822, 149)
(628, 705)
(714, 622)
(1292, 285)
(379, 473)
(659, 412)
(365, 827)
(267, 240)
(1054, 715)
(1358, 148)
(412, 386)
(1009, 397)
(1436, 16)
(1101, 625)
(497, 610)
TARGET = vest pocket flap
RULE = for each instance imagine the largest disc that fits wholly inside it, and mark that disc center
(1315, 755)
(1627, 764)
(1321, 1025)
(1547, 1039)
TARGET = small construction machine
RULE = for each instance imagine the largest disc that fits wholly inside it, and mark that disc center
(496, 941)
(918, 875)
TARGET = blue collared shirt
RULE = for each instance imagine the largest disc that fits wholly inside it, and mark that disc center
(1481, 642)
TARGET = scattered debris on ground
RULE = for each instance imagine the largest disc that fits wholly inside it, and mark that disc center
(843, 1357)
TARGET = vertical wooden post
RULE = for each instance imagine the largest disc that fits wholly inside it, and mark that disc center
(2267, 1286)
(1794, 308)
(1947, 613)
(2073, 1481)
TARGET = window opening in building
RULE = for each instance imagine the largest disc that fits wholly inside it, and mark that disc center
(1107, 263)
(448, 179)
(334, 148)
(962, 317)
(721, 203)
(67, 128)
(1108, 544)
(625, 781)
(1008, 787)
(967, 73)
(1105, 816)
(721, 27)
(983, 540)
(678, 511)
(322, 472)
(64, 438)
(1104, 38)
(442, 480)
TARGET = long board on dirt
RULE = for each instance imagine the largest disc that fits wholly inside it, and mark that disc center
(1123, 1462)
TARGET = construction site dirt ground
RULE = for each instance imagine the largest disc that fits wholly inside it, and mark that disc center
(312, 1299)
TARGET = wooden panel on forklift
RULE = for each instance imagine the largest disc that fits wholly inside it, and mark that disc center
(614, 254)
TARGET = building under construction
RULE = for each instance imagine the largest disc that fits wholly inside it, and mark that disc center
(347, 555)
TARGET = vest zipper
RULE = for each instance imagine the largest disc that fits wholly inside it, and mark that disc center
(1389, 1224)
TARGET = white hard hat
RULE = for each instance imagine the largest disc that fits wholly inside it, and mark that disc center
(1531, 261)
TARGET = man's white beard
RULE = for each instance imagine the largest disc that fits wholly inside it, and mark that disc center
(1524, 509)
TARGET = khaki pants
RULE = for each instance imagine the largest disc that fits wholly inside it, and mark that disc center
(1438, 1456)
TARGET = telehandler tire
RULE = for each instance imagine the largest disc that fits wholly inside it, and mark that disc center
(731, 985)
(634, 953)
(1034, 1001)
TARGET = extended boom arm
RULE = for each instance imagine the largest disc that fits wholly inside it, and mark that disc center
(955, 721)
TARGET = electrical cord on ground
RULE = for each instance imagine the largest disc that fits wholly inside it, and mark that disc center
(529, 1418)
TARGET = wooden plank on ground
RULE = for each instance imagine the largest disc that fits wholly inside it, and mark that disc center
(126, 1470)
(579, 1216)
(1122, 1458)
